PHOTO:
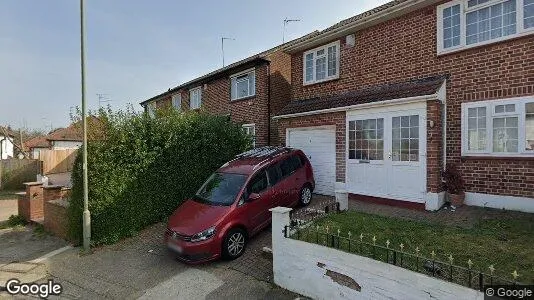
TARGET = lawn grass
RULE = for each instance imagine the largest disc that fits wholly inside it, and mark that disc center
(8, 195)
(507, 244)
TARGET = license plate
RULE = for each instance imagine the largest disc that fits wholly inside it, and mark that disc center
(175, 247)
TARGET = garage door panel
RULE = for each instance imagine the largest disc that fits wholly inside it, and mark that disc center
(319, 146)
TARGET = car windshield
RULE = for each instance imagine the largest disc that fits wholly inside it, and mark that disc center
(220, 188)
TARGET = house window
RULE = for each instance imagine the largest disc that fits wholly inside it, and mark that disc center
(529, 126)
(476, 128)
(498, 127)
(366, 139)
(321, 64)
(195, 98)
(468, 23)
(250, 129)
(177, 101)
(151, 108)
(243, 85)
(528, 14)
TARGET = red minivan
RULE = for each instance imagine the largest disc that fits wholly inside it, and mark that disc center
(233, 204)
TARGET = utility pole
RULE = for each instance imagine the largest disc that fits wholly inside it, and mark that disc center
(222, 47)
(286, 20)
(86, 213)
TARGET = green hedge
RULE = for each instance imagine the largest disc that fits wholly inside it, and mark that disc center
(140, 168)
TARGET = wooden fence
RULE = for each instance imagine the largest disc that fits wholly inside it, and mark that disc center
(14, 172)
(57, 161)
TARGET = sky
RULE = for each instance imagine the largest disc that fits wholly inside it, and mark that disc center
(135, 49)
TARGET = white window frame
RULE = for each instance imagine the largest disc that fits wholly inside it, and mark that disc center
(198, 102)
(253, 126)
(314, 51)
(520, 112)
(247, 72)
(176, 101)
(151, 108)
(520, 30)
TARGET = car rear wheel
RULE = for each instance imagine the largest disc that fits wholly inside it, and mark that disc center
(234, 243)
(305, 196)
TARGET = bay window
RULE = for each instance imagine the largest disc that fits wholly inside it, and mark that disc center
(498, 127)
(321, 64)
(468, 23)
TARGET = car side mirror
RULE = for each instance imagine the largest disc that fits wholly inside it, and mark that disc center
(253, 196)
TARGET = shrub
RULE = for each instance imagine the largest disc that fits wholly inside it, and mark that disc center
(140, 168)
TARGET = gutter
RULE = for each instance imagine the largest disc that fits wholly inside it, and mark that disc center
(435, 96)
(361, 23)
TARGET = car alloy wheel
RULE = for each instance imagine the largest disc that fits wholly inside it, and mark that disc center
(305, 196)
(236, 244)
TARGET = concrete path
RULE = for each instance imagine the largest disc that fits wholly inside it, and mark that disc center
(8, 208)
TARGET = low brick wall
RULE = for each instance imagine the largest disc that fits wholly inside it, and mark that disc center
(30, 204)
(55, 217)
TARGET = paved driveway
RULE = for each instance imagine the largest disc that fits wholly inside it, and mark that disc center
(141, 267)
(8, 208)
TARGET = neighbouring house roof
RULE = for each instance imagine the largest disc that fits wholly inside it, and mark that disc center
(37, 142)
(407, 89)
(71, 133)
(252, 60)
(368, 18)
(8, 130)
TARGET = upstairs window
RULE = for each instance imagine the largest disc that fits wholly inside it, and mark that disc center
(243, 85)
(468, 23)
(321, 64)
(151, 109)
(498, 127)
(195, 98)
(177, 101)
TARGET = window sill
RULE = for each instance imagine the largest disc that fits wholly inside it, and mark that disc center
(319, 82)
(519, 157)
(243, 99)
(445, 52)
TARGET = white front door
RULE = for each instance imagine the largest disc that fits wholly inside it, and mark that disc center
(386, 154)
(319, 145)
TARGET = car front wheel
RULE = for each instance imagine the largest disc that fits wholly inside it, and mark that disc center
(234, 243)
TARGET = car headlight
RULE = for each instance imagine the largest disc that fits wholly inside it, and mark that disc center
(204, 235)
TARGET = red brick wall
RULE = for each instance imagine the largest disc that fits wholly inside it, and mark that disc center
(405, 48)
(280, 87)
(337, 119)
(434, 159)
(56, 218)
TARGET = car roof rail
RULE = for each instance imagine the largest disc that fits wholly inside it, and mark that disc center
(264, 152)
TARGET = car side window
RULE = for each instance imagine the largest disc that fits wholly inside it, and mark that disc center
(258, 183)
(287, 167)
(275, 174)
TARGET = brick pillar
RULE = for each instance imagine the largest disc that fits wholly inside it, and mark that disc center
(30, 205)
(52, 192)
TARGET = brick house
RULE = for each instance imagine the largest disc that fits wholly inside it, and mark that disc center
(250, 91)
(382, 101)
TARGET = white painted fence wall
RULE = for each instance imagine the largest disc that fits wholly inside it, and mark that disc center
(301, 267)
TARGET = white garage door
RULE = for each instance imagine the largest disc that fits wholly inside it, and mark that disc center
(319, 145)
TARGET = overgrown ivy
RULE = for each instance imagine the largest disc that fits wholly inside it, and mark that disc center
(141, 168)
